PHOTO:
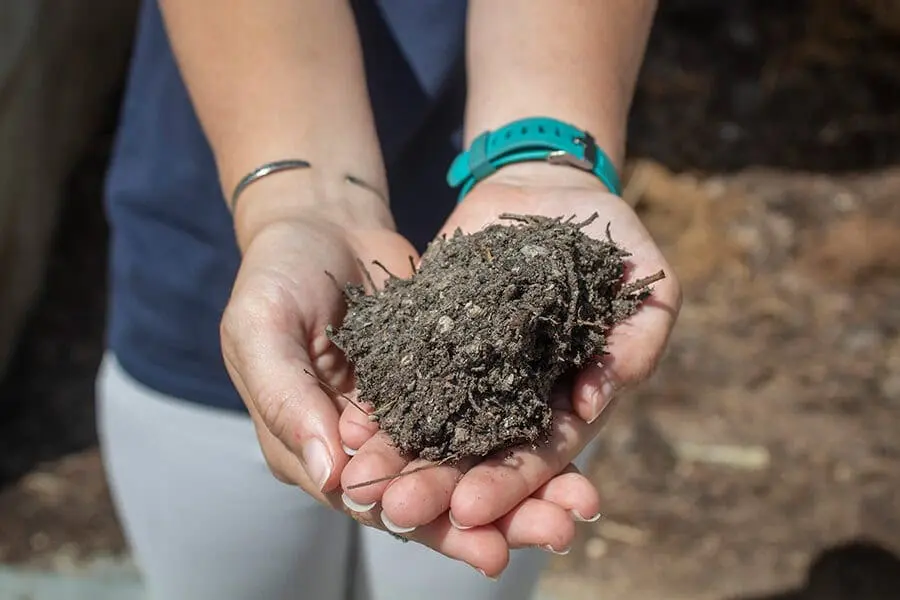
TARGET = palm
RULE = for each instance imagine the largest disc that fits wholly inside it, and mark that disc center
(298, 284)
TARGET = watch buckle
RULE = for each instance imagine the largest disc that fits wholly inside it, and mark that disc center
(586, 162)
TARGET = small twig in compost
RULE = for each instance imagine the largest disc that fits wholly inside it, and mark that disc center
(381, 266)
(643, 283)
(334, 390)
(334, 281)
(403, 474)
(366, 274)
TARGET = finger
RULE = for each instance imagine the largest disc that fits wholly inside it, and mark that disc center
(423, 495)
(417, 499)
(494, 487)
(356, 427)
(484, 548)
(538, 523)
(283, 464)
(573, 492)
(274, 368)
(636, 345)
(635, 348)
(375, 460)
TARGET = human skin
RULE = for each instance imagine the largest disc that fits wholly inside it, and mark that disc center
(275, 79)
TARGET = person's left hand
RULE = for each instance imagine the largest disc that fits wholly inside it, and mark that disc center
(493, 488)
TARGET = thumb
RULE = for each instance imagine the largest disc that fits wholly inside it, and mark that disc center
(272, 370)
(635, 348)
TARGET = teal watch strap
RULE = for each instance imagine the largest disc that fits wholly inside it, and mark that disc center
(533, 139)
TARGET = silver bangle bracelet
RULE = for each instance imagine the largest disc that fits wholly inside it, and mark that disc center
(366, 186)
(263, 170)
(286, 165)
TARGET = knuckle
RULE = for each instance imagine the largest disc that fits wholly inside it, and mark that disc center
(236, 318)
(277, 409)
(248, 312)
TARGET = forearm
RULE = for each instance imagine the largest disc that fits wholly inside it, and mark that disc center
(277, 79)
(573, 60)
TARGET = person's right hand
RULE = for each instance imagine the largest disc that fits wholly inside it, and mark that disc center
(274, 342)
(275, 349)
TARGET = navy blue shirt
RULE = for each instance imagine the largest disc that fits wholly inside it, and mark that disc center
(173, 254)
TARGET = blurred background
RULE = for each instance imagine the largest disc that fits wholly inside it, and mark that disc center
(762, 461)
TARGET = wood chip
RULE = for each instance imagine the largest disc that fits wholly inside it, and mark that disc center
(751, 458)
(622, 533)
(596, 548)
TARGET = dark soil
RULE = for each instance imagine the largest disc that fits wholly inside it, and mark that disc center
(459, 359)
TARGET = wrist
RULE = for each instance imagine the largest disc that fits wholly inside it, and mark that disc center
(544, 175)
(308, 195)
(542, 150)
(607, 129)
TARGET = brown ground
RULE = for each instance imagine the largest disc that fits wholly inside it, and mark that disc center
(770, 431)
(767, 439)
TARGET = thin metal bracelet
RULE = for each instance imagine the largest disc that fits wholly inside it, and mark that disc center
(263, 170)
(354, 180)
(287, 164)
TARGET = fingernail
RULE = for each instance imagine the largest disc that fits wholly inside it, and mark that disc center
(578, 517)
(601, 399)
(356, 506)
(550, 549)
(347, 449)
(456, 524)
(488, 576)
(317, 462)
(393, 527)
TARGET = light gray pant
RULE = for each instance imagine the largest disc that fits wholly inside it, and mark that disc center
(207, 521)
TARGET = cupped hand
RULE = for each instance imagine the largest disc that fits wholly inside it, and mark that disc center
(484, 493)
(275, 347)
(545, 518)
(282, 364)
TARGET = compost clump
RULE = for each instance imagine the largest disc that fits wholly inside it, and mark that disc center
(459, 360)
